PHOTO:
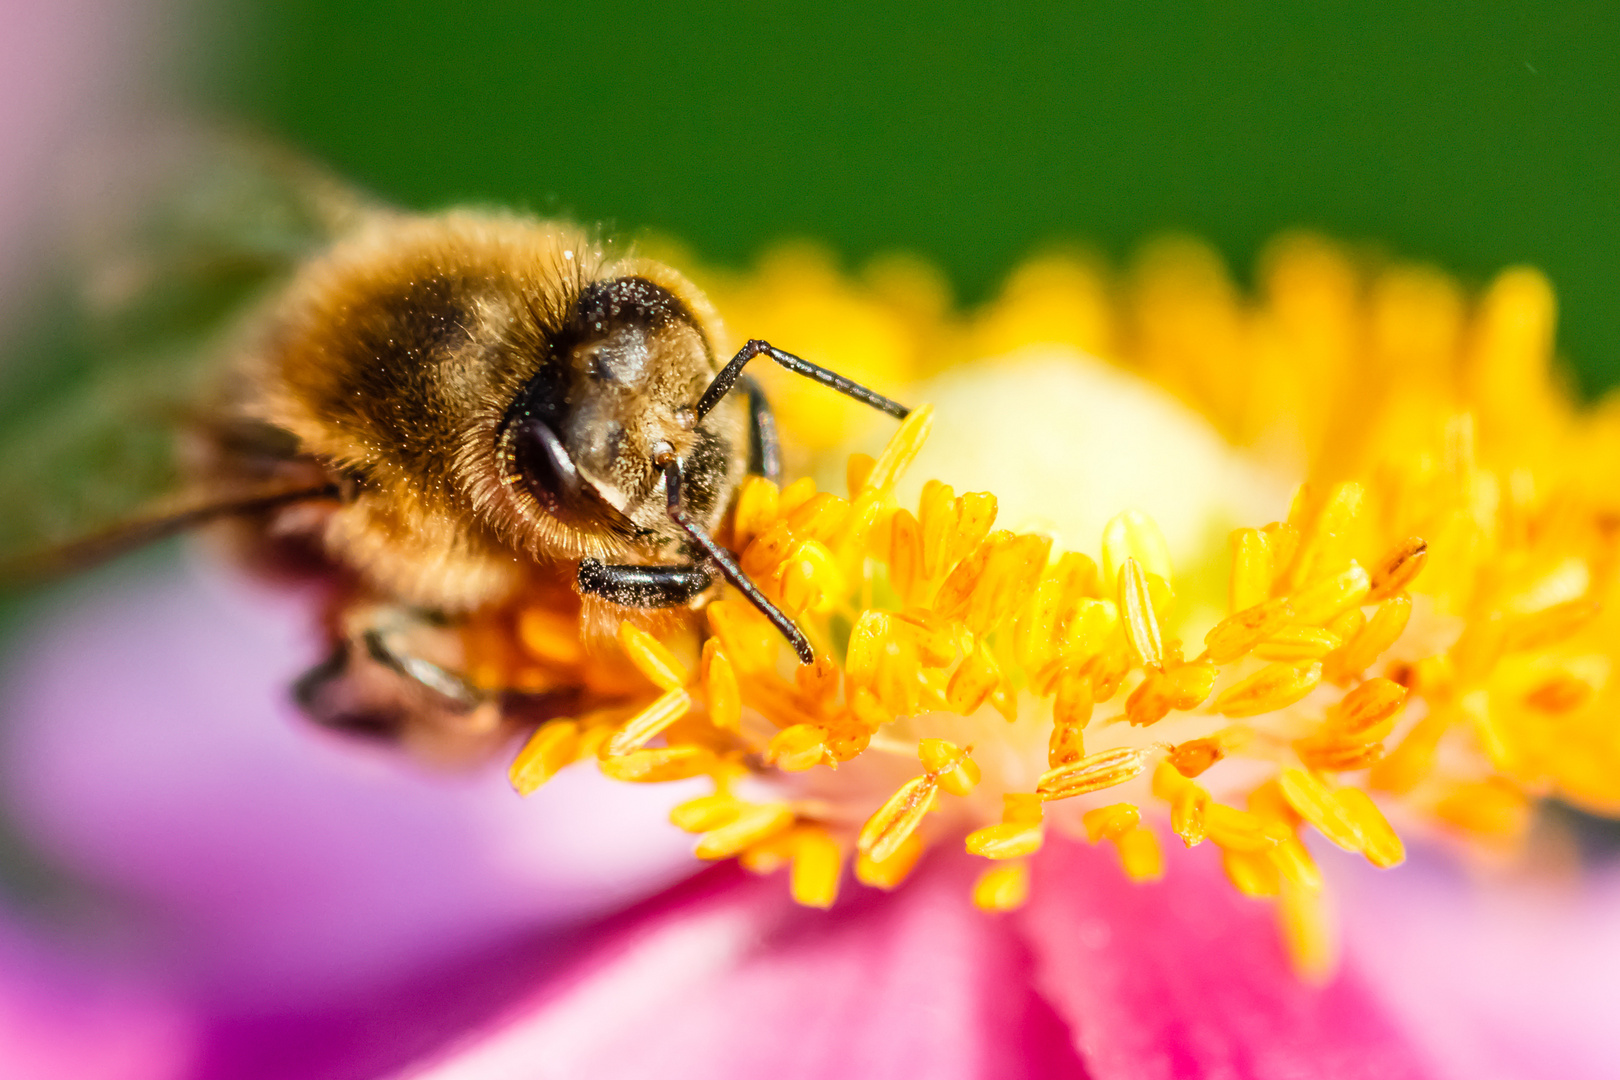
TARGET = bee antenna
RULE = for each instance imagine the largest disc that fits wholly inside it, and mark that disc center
(727, 565)
(727, 378)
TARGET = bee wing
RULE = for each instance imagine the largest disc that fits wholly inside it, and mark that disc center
(186, 238)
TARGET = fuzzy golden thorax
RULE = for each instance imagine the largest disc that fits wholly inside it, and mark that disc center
(401, 359)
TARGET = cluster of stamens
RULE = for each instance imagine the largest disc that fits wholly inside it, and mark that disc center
(1428, 629)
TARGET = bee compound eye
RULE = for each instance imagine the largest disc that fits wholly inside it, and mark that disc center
(545, 466)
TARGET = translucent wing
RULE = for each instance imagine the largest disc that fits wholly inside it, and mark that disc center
(187, 241)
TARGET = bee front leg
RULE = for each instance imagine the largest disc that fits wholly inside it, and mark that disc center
(645, 586)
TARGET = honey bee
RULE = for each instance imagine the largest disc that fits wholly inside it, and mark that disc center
(437, 406)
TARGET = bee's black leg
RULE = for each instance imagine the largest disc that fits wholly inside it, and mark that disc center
(644, 586)
(727, 378)
(727, 565)
(392, 674)
(764, 451)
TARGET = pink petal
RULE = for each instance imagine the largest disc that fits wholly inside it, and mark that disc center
(1499, 978)
(1185, 978)
(149, 747)
(63, 1023)
(727, 978)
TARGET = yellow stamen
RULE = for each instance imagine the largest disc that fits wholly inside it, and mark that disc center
(1141, 623)
(902, 449)
(751, 825)
(651, 658)
(658, 766)
(1397, 569)
(889, 872)
(817, 864)
(551, 747)
(1269, 689)
(896, 819)
(1111, 821)
(1094, 773)
(1315, 802)
(1233, 637)
(1002, 888)
(1140, 855)
(651, 721)
(720, 687)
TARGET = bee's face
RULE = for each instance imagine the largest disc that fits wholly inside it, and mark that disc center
(582, 435)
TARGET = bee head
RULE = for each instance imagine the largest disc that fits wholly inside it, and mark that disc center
(628, 365)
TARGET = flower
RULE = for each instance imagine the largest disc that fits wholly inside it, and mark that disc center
(302, 907)
(1423, 620)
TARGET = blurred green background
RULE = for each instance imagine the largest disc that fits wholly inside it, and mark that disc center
(1474, 136)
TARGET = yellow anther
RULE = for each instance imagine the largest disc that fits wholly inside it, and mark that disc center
(720, 687)
(1305, 931)
(1270, 688)
(795, 495)
(1316, 803)
(1398, 567)
(976, 516)
(664, 711)
(1139, 854)
(867, 642)
(1110, 821)
(551, 747)
(769, 550)
(898, 818)
(756, 511)
(817, 864)
(889, 872)
(1232, 637)
(1235, 830)
(1368, 709)
(1009, 840)
(1194, 756)
(1380, 632)
(1093, 773)
(552, 636)
(956, 770)
(857, 471)
(1094, 626)
(797, 748)
(1252, 872)
(1294, 862)
(810, 578)
(1320, 601)
(821, 517)
(1135, 535)
(1334, 752)
(902, 449)
(1296, 643)
(751, 825)
(905, 555)
(658, 766)
(651, 658)
(1250, 585)
(1326, 545)
(938, 514)
(705, 812)
(973, 680)
(1379, 841)
(1187, 807)
(1002, 888)
(1141, 624)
